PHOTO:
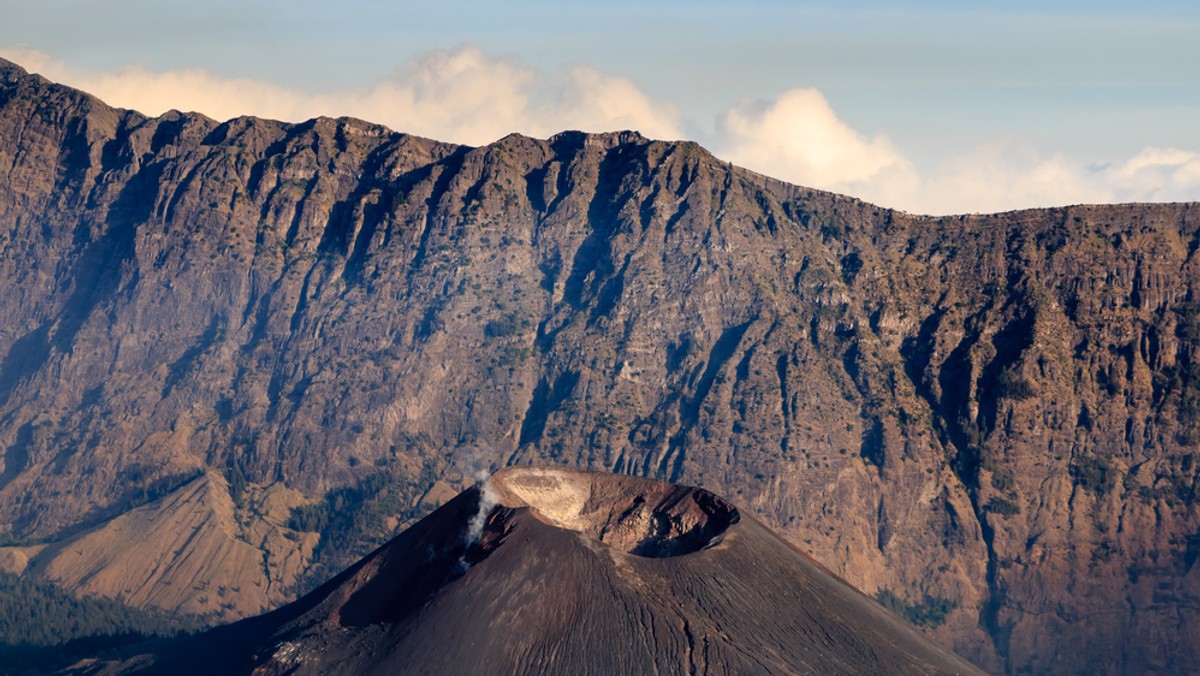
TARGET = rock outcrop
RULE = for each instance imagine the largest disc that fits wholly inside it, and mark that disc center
(989, 421)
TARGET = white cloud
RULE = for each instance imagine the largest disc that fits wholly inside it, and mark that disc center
(1009, 174)
(799, 137)
(1002, 175)
(466, 96)
(1157, 174)
(462, 95)
(590, 99)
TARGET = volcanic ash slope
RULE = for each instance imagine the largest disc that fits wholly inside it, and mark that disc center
(572, 572)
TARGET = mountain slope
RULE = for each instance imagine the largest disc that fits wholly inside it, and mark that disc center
(358, 315)
(189, 553)
(573, 572)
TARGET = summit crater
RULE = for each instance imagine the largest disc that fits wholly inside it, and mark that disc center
(643, 517)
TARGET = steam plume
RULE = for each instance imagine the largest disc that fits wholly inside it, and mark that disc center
(487, 500)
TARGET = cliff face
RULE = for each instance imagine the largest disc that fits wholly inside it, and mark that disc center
(989, 420)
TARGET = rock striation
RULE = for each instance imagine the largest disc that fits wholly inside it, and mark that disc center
(989, 421)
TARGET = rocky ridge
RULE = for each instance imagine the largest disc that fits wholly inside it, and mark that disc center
(358, 315)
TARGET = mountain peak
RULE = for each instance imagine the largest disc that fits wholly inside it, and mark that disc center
(601, 140)
(576, 572)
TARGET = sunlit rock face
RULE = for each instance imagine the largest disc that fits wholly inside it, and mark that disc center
(991, 421)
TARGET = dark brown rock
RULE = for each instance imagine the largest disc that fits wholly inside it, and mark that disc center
(547, 593)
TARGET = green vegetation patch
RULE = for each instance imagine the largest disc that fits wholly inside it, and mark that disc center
(1012, 385)
(353, 520)
(1093, 474)
(931, 612)
(43, 627)
(1002, 506)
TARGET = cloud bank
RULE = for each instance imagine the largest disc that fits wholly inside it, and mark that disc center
(798, 137)
(466, 96)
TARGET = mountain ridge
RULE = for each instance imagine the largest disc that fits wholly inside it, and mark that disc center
(357, 315)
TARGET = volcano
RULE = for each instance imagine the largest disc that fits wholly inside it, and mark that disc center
(556, 571)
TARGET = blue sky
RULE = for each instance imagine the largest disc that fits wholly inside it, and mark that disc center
(927, 106)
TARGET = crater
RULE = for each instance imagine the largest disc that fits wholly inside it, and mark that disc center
(640, 516)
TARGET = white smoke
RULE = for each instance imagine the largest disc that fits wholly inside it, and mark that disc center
(475, 461)
(487, 501)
